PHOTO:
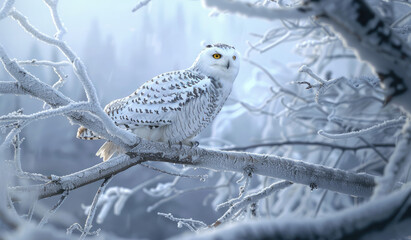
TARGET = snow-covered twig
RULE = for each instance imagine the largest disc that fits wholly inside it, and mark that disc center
(387, 124)
(178, 193)
(251, 198)
(309, 143)
(17, 163)
(398, 163)
(5, 9)
(61, 30)
(249, 10)
(201, 177)
(193, 225)
(117, 197)
(89, 221)
(307, 70)
(81, 73)
(35, 62)
(46, 216)
(242, 190)
(72, 107)
(378, 223)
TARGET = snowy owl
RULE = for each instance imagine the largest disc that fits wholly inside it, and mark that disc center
(174, 107)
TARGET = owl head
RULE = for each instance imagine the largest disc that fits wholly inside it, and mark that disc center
(219, 61)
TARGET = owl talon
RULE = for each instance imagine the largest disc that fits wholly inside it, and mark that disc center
(169, 143)
(181, 145)
(194, 144)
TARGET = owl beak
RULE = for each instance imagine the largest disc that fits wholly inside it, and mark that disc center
(228, 64)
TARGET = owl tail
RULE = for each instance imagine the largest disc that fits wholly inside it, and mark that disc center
(108, 150)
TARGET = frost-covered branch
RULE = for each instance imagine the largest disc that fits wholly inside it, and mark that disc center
(266, 165)
(193, 225)
(309, 143)
(249, 10)
(255, 197)
(5, 9)
(89, 221)
(46, 217)
(372, 129)
(36, 62)
(12, 88)
(17, 163)
(398, 163)
(383, 218)
(80, 70)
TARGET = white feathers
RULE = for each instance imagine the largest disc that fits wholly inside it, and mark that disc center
(175, 106)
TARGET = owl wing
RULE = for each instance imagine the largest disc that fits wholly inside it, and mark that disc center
(156, 102)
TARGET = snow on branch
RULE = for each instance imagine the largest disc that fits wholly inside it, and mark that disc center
(398, 163)
(36, 62)
(5, 9)
(266, 165)
(250, 10)
(309, 143)
(11, 88)
(29, 84)
(61, 30)
(346, 224)
(373, 41)
(360, 28)
(252, 198)
(386, 124)
(193, 225)
(80, 70)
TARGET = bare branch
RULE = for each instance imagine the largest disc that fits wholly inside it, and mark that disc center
(377, 225)
(46, 217)
(249, 10)
(308, 143)
(266, 165)
(89, 221)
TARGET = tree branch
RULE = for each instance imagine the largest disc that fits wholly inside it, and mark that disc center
(384, 218)
(308, 143)
(266, 165)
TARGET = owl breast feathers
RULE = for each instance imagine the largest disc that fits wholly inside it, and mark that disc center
(175, 106)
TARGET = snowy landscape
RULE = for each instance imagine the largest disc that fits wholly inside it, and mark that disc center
(312, 143)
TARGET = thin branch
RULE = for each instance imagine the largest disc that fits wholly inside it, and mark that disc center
(35, 62)
(308, 143)
(88, 225)
(387, 124)
(201, 177)
(61, 30)
(246, 9)
(17, 163)
(378, 223)
(5, 9)
(191, 224)
(80, 70)
(46, 216)
(250, 199)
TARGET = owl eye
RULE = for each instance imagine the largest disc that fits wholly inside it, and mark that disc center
(216, 55)
(234, 58)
